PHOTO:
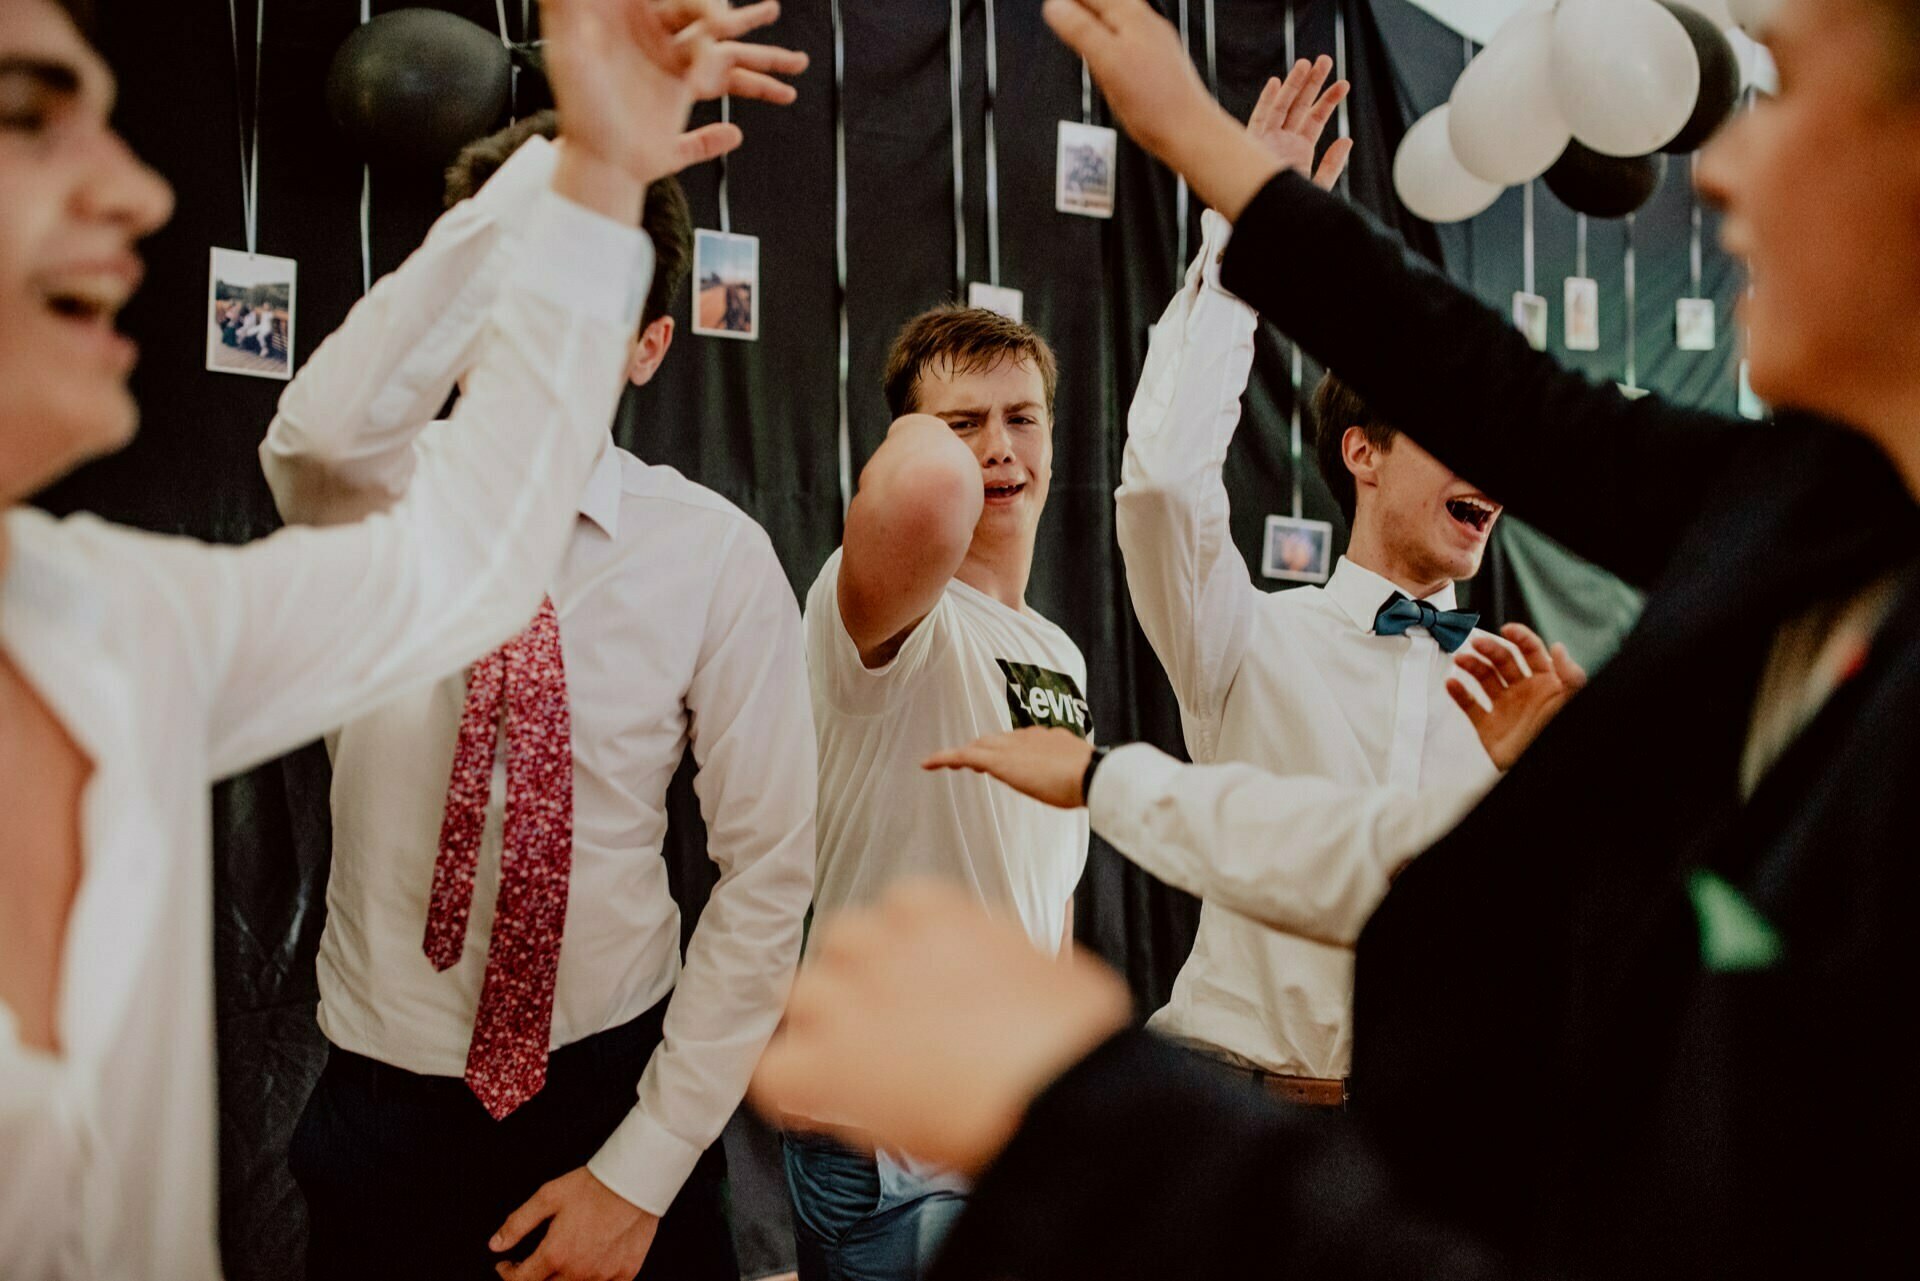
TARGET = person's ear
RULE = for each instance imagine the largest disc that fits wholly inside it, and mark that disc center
(1361, 456)
(649, 350)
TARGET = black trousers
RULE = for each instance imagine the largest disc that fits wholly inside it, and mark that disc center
(407, 1176)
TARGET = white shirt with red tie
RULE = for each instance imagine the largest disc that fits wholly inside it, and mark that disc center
(678, 628)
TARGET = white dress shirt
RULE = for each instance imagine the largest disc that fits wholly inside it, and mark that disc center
(1294, 682)
(677, 626)
(173, 664)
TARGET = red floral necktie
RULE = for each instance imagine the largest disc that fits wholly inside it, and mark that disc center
(507, 1058)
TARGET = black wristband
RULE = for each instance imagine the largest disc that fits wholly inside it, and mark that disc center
(1086, 779)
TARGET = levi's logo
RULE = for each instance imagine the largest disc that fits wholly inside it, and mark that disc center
(1037, 696)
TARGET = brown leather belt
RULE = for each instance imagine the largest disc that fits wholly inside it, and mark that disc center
(1307, 1091)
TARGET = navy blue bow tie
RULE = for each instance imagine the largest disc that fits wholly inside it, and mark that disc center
(1448, 627)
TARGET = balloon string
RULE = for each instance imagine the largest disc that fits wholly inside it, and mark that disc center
(1526, 235)
(1340, 73)
(249, 127)
(845, 440)
(1296, 372)
(993, 153)
(1633, 378)
(500, 15)
(726, 211)
(959, 156)
(1693, 202)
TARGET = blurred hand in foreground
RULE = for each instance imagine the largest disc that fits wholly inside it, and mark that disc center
(925, 1026)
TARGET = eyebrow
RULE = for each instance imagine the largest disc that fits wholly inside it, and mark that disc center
(55, 77)
(983, 412)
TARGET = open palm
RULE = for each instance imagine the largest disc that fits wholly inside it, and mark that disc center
(1293, 113)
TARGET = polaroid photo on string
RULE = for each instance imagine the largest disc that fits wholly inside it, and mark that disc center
(1087, 157)
(1010, 303)
(726, 290)
(1296, 550)
(250, 314)
(1693, 324)
(1530, 318)
(1583, 313)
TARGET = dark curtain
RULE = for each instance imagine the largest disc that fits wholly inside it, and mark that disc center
(759, 422)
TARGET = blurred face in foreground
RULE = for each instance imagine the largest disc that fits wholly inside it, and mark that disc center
(76, 203)
(1821, 188)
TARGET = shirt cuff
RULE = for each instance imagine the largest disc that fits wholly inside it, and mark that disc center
(1128, 774)
(644, 1162)
(1216, 235)
(584, 261)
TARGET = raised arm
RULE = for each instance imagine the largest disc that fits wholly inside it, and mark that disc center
(908, 529)
(341, 445)
(1617, 481)
(305, 630)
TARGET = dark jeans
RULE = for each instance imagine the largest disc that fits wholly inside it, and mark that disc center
(407, 1176)
(848, 1227)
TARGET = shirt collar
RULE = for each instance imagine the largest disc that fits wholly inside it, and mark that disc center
(600, 500)
(1359, 592)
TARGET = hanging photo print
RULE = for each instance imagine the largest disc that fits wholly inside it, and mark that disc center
(1010, 303)
(1530, 318)
(1583, 313)
(1693, 324)
(1084, 169)
(1297, 550)
(250, 314)
(726, 294)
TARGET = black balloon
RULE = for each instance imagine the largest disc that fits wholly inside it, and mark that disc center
(416, 85)
(1603, 186)
(1719, 80)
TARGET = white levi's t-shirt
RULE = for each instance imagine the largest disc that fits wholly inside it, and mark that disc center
(972, 667)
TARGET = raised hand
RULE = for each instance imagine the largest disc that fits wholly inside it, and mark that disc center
(1523, 699)
(925, 1026)
(625, 74)
(1293, 113)
(1044, 763)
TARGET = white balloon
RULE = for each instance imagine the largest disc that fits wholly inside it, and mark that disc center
(1715, 11)
(1506, 125)
(1430, 179)
(1752, 16)
(1625, 73)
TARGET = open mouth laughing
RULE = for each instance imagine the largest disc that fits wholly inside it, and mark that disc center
(1474, 512)
(1005, 491)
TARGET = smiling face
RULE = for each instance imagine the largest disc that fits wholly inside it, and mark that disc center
(1000, 412)
(77, 201)
(1821, 189)
(1416, 522)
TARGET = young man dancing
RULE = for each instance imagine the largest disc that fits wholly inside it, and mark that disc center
(501, 973)
(919, 636)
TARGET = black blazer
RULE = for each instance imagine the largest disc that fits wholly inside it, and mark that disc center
(1552, 1071)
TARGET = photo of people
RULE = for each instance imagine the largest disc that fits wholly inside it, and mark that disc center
(726, 294)
(250, 314)
(1297, 550)
(1693, 324)
(1583, 314)
(1086, 170)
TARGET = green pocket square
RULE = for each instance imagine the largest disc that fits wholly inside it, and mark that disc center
(1734, 937)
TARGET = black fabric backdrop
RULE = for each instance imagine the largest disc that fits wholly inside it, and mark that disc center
(759, 422)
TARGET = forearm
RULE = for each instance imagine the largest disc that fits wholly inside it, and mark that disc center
(1617, 481)
(908, 527)
(341, 444)
(1300, 854)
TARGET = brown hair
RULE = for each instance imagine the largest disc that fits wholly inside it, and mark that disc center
(966, 340)
(665, 218)
(1903, 22)
(1337, 407)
